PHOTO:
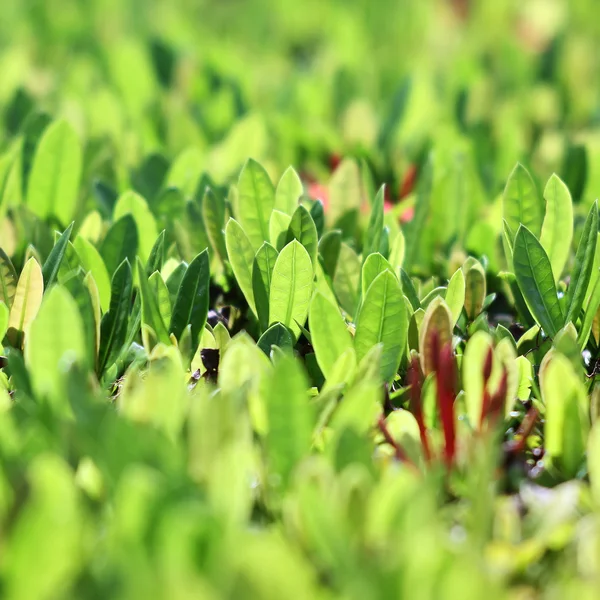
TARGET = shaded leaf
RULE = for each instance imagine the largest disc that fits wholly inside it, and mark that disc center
(383, 320)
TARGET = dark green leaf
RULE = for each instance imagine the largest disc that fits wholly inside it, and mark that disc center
(52, 264)
(536, 281)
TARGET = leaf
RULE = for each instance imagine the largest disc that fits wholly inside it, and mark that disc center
(290, 422)
(161, 294)
(256, 198)
(52, 264)
(566, 418)
(113, 327)
(26, 302)
(475, 287)
(375, 228)
(590, 314)
(291, 287)
(288, 192)
(174, 281)
(415, 228)
(276, 335)
(344, 191)
(90, 283)
(436, 321)
(383, 320)
(262, 272)
(347, 279)
(213, 213)
(131, 203)
(582, 270)
(151, 315)
(191, 306)
(329, 250)
(329, 334)
(53, 184)
(56, 340)
(557, 228)
(241, 258)
(156, 259)
(409, 289)
(4, 314)
(8, 279)
(536, 282)
(475, 356)
(521, 203)
(92, 262)
(120, 243)
(396, 257)
(278, 227)
(303, 229)
(317, 213)
(455, 295)
(372, 267)
(82, 297)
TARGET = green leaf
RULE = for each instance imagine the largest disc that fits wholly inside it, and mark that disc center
(317, 213)
(56, 339)
(4, 315)
(161, 294)
(330, 246)
(92, 262)
(213, 213)
(26, 302)
(344, 191)
(262, 273)
(156, 259)
(131, 203)
(521, 203)
(375, 228)
(256, 198)
(590, 315)
(582, 270)
(396, 258)
(81, 294)
(52, 264)
(475, 287)
(191, 306)
(174, 281)
(151, 315)
(276, 335)
(278, 228)
(241, 258)
(383, 320)
(347, 279)
(185, 171)
(372, 267)
(409, 289)
(113, 328)
(329, 335)
(53, 184)
(415, 228)
(291, 287)
(534, 277)
(8, 279)
(120, 243)
(290, 422)
(557, 228)
(289, 190)
(455, 295)
(303, 229)
(566, 418)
